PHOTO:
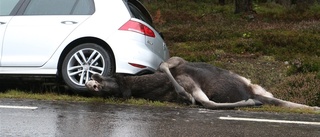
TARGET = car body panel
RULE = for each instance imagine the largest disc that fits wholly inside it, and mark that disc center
(22, 49)
(126, 46)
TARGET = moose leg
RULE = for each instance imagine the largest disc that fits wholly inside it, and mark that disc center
(282, 103)
(204, 100)
(266, 97)
(165, 67)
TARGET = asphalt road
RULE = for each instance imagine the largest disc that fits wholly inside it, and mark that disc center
(70, 119)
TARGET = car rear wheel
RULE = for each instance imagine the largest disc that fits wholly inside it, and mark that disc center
(83, 61)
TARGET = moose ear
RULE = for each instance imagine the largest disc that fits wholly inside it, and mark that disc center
(97, 78)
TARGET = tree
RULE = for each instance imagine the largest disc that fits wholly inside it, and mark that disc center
(243, 6)
(286, 3)
(303, 5)
(222, 2)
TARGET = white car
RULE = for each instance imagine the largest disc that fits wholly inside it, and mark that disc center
(73, 39)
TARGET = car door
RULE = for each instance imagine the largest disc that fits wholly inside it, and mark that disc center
(37, 31)
(4, 20)
(6, 13)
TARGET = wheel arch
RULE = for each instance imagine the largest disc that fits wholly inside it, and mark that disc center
(83, 40)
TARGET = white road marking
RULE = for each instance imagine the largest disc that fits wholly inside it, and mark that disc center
(269, 120)
(18, 107)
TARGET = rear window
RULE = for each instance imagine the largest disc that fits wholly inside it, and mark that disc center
(140, 13)
(60, 7)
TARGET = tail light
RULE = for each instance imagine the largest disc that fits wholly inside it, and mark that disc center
(137, 27)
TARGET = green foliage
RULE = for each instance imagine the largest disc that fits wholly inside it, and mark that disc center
(74, 98)
(194, 51)
(269, 108)
(315, 9)
(301, 88)
(270, 9)
(305, 65)
(285, 44)
(275, 31)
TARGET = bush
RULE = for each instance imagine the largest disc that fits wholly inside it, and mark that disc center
(304, 65)
(300, 88)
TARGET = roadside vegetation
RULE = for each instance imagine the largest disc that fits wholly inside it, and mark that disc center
(53, 96)
(276, 47)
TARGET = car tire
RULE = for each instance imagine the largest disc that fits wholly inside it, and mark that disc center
(83, 61)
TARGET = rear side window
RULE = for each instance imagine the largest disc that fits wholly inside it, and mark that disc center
(59, 7)
(6, 6)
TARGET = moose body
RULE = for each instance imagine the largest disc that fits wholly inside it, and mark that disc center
(212, 87)
(151, 86)
(218, 88)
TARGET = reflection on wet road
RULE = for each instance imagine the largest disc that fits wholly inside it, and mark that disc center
(54, 118)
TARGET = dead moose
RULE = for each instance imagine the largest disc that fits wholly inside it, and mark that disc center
(197, 82)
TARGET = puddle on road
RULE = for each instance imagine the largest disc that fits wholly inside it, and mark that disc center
(117, 121)
(54, 118)
(85, 119)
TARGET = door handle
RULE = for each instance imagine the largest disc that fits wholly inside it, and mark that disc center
(69, 22)
(1, 23)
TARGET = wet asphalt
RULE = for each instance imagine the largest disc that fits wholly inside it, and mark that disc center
(71, 119)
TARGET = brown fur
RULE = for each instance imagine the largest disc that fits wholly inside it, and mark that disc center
(212, 87)
(215, 87)
(152, 86)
